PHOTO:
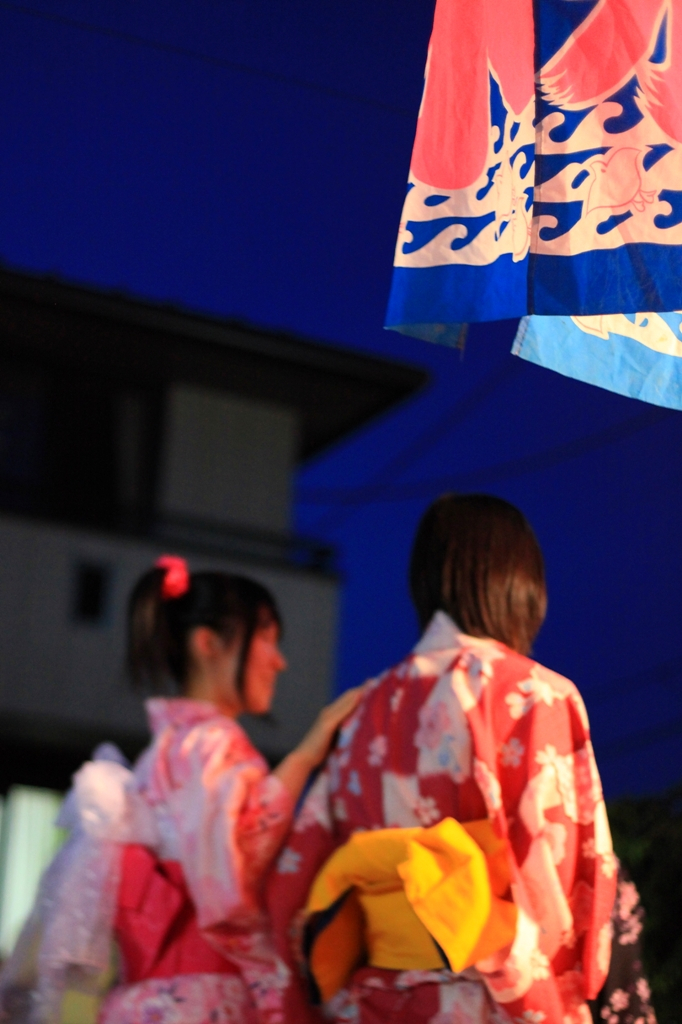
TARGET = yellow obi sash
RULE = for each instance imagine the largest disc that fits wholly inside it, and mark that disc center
(409, 899)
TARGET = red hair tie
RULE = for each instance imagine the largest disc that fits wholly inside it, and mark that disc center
(176, 580)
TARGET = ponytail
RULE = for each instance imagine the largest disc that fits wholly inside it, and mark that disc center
(168, 602)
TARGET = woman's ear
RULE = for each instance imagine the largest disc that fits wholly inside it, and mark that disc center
(204, 645)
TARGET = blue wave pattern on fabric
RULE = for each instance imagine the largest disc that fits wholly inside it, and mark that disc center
(555, 202)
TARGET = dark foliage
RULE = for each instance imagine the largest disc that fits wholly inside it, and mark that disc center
(647, 835)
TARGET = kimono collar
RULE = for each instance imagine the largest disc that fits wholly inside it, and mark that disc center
(178, 711)
(442, 634)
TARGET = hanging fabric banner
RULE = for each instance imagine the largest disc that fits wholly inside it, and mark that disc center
(546, 183)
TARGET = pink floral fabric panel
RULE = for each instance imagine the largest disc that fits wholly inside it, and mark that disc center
(186, 999)
(229, 816)
(230, 813)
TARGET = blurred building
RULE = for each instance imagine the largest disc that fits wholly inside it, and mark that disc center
(129, 429)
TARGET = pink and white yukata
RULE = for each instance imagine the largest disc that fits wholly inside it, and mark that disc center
(465, 727)
(204, 818)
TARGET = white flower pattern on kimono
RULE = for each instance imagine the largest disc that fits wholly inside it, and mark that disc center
(443, 738)
(214, 998)
(631, 931)
(378, 748)
(477, 661)
(541, 685)
(573, 780)
(465, 1002)
(511, 753)
(266, 988)
(627, 900)
(340, 812)
(315, 809)
(348, 731)
(434, 725)
(539, 965)
(288, 862)
(343, 1007)
(530, 1017)
(396, 699)
(409, 979)
(400, 794)
(619, 1000)
(354, 784)
(427, 810)
(643, 990)
(489, 786)
(338, 760)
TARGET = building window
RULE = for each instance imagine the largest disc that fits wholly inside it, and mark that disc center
(90, 592)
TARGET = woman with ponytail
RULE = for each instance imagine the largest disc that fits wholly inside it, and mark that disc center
(168, 859)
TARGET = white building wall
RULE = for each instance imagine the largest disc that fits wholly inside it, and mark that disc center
(72, 673)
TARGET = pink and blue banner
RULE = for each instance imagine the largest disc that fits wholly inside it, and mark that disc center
(546, 183)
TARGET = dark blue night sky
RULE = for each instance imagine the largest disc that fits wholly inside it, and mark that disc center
(249, 158)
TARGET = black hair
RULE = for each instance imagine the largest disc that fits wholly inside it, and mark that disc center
(159, 626)
(476, 557)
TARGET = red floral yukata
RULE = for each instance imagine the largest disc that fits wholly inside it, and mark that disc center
(466, 727)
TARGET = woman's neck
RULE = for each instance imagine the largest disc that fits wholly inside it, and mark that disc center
(201, 686)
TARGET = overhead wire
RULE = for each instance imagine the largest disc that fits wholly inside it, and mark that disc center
(196, 55)
(406, 457)
(377, 492)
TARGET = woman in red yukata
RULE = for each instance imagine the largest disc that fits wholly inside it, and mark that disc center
(169, 858)
(452, 863)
